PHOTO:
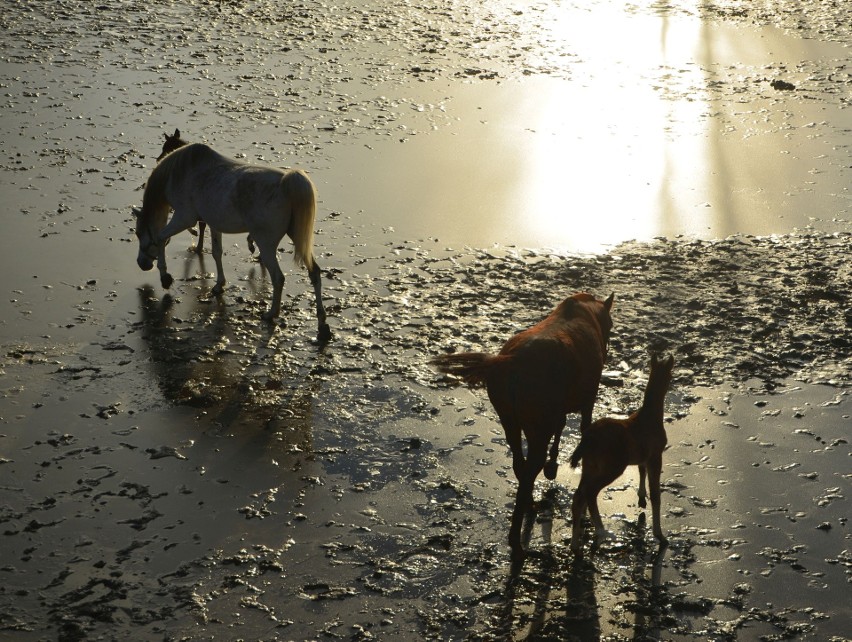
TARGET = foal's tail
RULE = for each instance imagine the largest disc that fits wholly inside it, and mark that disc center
(577, 455)
(303, 198)
(471, 367)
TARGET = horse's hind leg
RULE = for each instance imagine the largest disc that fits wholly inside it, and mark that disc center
(536, 454)
(216, 238)
(199, 246)
(552, 464)
(323, 331)
(269, 260)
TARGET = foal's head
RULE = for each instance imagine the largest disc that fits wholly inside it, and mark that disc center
(172, 143)
(661, 372)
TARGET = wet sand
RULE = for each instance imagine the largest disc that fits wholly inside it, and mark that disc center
(173, 468)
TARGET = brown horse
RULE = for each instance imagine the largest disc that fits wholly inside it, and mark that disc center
(611, 445)
(541, 375)
(172, 143)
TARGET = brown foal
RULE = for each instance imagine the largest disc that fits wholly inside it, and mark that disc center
(610, 445)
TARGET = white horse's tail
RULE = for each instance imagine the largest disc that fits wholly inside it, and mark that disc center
(303, 198)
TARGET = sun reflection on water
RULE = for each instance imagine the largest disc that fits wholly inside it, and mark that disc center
(608, 145)
(659, 125)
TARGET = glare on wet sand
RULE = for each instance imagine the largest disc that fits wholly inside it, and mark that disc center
(171, 467)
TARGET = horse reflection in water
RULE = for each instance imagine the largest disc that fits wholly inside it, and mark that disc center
(539, 376)
(200, 184)
(203, 365)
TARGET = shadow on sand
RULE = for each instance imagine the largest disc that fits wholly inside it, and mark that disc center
(564, 603)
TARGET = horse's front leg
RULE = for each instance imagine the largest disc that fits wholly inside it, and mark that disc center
(323, 331)
(175, 226)
(216, 239)
(166, 279)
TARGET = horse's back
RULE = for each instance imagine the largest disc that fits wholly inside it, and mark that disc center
(553, 368)
(228, 194)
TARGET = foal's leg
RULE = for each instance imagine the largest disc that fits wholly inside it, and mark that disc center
(323, 331)
(601, 533)
(642, 493)
(655, 467)
(216, 238)
(578, 510)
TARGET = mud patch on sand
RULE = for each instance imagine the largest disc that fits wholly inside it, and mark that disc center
(197, 472)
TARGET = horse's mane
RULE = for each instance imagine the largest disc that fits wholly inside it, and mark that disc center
(154, 199)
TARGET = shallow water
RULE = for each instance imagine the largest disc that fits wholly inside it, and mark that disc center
(171, 467)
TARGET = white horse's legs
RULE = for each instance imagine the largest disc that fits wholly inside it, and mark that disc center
(216, 238)
(166, 279)
(323, 331)
(269, 260)
(175, 226)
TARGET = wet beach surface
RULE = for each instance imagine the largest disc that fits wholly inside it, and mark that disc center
(173, 468)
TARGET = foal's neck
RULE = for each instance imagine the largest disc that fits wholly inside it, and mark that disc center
(654, 400)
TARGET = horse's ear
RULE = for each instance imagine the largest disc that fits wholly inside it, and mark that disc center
(670, 362)
(177, 133)
(165, 135)
(608, 302)
(136, 212)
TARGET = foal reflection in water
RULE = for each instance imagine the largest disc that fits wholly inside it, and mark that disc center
(539, 376)
(231, 197)
(609, 446)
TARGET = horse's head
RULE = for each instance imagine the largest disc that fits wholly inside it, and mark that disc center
(583, 304)
(149, 247)
(172, 143)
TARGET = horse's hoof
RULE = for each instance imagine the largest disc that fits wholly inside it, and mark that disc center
(550, 469)
(643, 503)
(324, 333)
(268, 316)
(166, 280)
(218, 290)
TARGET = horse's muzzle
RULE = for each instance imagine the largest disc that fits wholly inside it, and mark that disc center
(144, 262)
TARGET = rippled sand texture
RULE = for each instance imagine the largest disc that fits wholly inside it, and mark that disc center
(173, 468)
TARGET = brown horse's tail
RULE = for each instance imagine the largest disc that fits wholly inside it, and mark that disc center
(303, 199)
(471, 367)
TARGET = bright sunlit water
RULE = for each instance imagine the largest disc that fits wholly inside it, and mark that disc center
(663, 127)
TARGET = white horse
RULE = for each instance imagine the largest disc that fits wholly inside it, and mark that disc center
(232, 197)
